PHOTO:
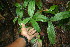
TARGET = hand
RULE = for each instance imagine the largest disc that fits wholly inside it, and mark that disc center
(29, 34)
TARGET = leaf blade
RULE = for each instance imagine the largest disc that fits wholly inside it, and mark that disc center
(35, 25)
(25, 20)
(18, 5)
(31, 7)
(53, 7)
(51, 33)
(25, 3)
(39, 4)
(19, 12)
(60, 16)
(39, 17)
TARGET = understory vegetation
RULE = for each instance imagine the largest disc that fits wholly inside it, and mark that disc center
(49, 16)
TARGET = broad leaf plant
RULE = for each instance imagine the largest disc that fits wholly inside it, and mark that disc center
(35, 16)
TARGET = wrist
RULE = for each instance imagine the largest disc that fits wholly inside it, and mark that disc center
(24, 38)
(27, 36)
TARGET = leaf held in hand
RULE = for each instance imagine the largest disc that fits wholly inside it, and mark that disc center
(35, 25)
(25, 20)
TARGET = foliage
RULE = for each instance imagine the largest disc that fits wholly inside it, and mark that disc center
(60, 16)
(25, 3)
(39, 4)
(39, 17)
(34, 16)
(35, 25)
(51, 32)
(25, 20)
(53, 9)
(31, 7)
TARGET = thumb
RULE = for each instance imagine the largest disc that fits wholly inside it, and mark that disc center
(23, 25)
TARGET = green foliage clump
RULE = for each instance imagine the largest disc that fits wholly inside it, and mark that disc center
(38, 16)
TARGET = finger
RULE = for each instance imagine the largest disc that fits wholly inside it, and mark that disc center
(28, 28)
(29, 34)
(33, 32)
(23, 25)
(35, 35)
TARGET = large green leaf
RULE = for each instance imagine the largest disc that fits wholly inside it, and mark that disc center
(51, 33)
(39, 4)
(39, 17)
(25, 3)
(60, 16)
(31, 7)
(35, 25)
(25, 20)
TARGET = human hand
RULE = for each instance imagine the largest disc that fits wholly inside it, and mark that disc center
(29, 34)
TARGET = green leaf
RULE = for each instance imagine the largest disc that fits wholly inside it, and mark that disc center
(39, 40)
(39, 17)
(15, 19)
(52, 12)
(35, 25)
(19, 21)
(51, 33)
(39, 4)
(33, 40)
(25, 20)
(53, 7)
(19, 12)
(18, 5)
(31, 7)
(25, 3)
(60, 16)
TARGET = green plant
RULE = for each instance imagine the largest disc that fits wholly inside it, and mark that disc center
(34, 17)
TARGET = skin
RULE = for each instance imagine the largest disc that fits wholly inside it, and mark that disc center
(20, 42)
